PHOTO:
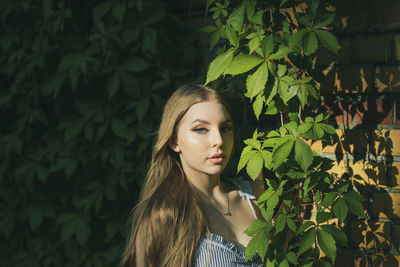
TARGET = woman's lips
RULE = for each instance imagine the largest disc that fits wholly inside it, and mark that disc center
(217, 158)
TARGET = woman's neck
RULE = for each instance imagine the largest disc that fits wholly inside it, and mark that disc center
(207, 185)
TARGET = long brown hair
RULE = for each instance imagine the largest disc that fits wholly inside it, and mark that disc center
(169, 218)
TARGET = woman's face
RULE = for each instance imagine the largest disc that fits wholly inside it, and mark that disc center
(204, 138)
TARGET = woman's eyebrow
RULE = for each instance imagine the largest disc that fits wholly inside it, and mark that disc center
(202, 121)
(207, 122)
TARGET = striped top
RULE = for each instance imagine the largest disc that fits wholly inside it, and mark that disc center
(214, 250)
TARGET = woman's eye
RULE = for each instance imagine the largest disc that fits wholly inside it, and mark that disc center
(200, 130)
(226, 129)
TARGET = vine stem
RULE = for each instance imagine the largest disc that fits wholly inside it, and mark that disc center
(281, 117)
(300, 120)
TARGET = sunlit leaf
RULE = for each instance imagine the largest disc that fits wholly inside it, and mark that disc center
(219, 65)
(254, 165)
(282, 152)
(243, 63)
(256, 81)
(303, 154)
(235, 19)
(258, 105)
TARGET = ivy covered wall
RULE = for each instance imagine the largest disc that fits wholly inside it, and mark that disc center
(83, 84)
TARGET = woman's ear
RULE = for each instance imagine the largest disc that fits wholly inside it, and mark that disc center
(174, 146)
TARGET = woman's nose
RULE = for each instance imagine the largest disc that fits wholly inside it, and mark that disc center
(217, 140)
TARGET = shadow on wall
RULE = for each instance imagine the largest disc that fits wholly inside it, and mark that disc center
(365, 155)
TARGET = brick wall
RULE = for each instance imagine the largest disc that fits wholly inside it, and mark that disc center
(362, 89)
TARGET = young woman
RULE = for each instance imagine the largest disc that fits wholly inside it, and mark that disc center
(187, 215)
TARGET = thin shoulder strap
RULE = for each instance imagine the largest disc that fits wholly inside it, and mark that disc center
(252, 208)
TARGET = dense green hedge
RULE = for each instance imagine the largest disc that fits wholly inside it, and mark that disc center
(83, 85)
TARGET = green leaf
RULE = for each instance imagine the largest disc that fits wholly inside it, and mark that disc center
(329, 199)
(272, 70)
(281, 153)
(119, 127)
(319, 117)
(291, 257)
(257, 226)
(135, 65)
(88, 131)
(258, 105)
(246, 154)
(283, 91)
(303, 154)
(325, 264)
(232, 36)
(339, 236)
(113, 84)
(311, 90)
(256, 81)
(302, 94)
(304, 127)
(254, 166)
(214, 38)
(235, 19)
(243, 63)
(309, 119)
(250, 6)
(284, 263)
(119, 11)
(156, 15)
(209, 29)
(271, 108)
(305, 226)
(282, 52)
(354, 204)
(254, 44)
(142, 107)
(270, 197)
(281, 70)
(307, 240)
(99, 12)
(68, 61)
(82, 231)
(291, 224)
(267, 45)
(35, 219)
(295, 174)
(328, 128)
(318, 132)
(323, 216)
(219, 65)
(72, 132)
(310, 43)
(280, 223)
(257, 19)
(297, 38)
(326, 20)
(254, 143)
(258, 244)
(340, 209)
(328, 40)
(267, 157)
(313, 6)
(327, 244)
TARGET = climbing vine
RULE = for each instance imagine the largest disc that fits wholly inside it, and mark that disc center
(271, 46)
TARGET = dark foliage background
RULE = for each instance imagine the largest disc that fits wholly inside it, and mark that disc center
(82, 88)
